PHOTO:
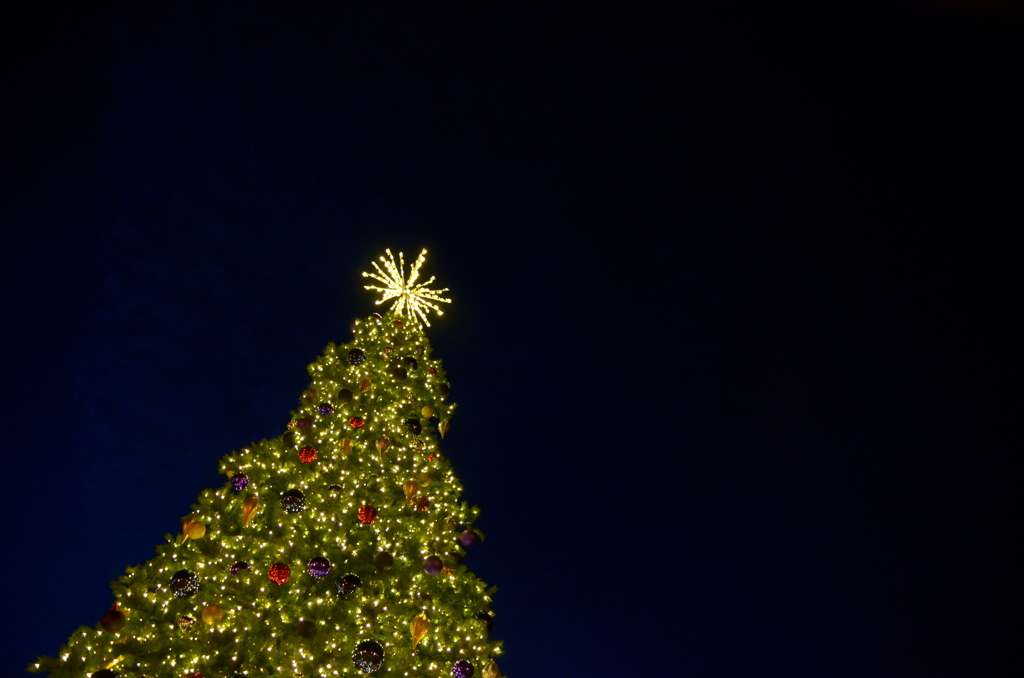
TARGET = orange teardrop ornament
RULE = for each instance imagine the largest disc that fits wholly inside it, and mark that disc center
(418, 626)
(249, 508)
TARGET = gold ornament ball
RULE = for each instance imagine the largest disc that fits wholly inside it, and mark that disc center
(383, 561)
(212, 614)
(427, 411)
(196, 530)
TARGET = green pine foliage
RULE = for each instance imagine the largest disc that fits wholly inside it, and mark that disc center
(373, 417)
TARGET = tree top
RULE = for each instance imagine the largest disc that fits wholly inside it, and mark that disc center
(412, 300)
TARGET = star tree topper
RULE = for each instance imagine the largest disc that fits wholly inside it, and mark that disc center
(412, 300)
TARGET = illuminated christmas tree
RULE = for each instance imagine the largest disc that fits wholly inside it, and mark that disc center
(334, 549)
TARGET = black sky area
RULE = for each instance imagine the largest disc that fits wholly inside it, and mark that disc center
(734, 290)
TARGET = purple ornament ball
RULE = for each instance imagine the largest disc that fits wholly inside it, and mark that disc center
(487, 619)
(325, 409)
(239, 566)
(239, 482)
(319, 567)
(184, 583)
(462, 669)
(369, 656)
(468, 537)
(348, 584)
(432, 565)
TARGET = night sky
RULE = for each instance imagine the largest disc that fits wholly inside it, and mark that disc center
(731, 339)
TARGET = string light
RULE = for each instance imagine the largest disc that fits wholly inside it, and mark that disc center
(261, 621)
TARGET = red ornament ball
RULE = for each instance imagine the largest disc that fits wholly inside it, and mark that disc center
(307, 454)
(356, 422)
(367, 514)
(279, 573)
(112, 621)
(422, 504)
(431, 371)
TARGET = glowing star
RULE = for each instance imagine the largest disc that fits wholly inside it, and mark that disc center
(412, 300)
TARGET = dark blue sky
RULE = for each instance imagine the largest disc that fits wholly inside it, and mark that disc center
(731, 334)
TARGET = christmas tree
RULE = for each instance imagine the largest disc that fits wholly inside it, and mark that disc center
(334, 549)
